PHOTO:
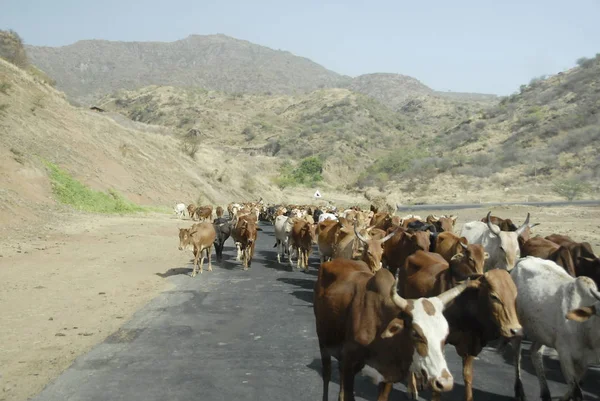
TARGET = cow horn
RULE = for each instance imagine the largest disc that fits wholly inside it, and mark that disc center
(434, 217)
(448, 296)
(595, 293)
(493, 229)
(524, 226)
(397, 299)
(359, 235)
(463, 245)
(387, 237)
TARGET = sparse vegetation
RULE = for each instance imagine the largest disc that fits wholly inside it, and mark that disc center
(3, 108)
(570, 188)
(5, 87)
(12, 49)
(72, 192)
(308, 172)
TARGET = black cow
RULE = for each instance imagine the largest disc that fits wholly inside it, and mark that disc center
(223, 230)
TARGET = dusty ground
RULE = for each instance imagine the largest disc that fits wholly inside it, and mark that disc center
(68, 285)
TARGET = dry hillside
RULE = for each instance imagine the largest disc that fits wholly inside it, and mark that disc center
(143, 163)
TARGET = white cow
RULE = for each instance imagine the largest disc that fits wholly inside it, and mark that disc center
(179, 210)
(502, 246)
(283, 228)
(327, 216)
(554, 310)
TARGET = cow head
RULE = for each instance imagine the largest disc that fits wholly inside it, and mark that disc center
(442, 223)
(469, 260)
(185, 238)
(588, 266)
(584, 313)
(497, 301)
(423, 327)
(372, 249)
(419, 240)
(508, 244)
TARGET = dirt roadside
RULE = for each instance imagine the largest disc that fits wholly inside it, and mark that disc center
(67, 286)
(67, 289)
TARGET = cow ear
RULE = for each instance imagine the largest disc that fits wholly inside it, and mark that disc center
(486, 256)
(393, 328)
(581, 314)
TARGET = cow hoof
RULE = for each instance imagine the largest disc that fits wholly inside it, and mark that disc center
(209, 268)
(245, 268)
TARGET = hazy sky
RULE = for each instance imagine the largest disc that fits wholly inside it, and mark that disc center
(460, 45)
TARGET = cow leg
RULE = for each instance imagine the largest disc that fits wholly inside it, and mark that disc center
(411, 389)
(384, 389)
(208, 252)
(279, 251)
(468, 376)
(326, 362)
(196, 256)
(537, 350)
(238, 247)
(201, 259)
(572, 372)
(519, 390)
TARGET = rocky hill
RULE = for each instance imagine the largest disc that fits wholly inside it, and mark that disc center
(90, 68)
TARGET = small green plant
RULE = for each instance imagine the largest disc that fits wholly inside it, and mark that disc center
(5, 87)
(570, 188)
(3, 108)
(72, 192)
(17, 155)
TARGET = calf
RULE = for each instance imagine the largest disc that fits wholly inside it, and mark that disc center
(361, 320)
(204, 213)
(223, 231)
(546, 249)
(201, 236)
(481, 314)
(585, 262)
(179, 210)
(301, 239)
(547, 295)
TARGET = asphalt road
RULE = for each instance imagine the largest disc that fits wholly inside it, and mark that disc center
(235, 335)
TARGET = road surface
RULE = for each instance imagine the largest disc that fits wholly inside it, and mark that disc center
(235, 335)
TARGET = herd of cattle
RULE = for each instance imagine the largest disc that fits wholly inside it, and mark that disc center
(392, 291)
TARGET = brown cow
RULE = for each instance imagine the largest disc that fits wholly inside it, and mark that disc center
(372, 249)
(402, 245)
(244, 235)
(479, 315)
(326, 235)
(504, 224)
(546, 249)
(301, 240)
(381, 220)
(442, 223)
(201, 236)
(219, 211)
(360, 319)
(204, 213)
(191, 208)
(459, 254)
(585, 262)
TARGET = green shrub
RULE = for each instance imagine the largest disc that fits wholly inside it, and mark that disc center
(570, 188)
(5, 87)
(308, 172)
(12, 48)
(72, 192)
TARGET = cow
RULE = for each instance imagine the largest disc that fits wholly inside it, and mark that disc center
(481, 314)
(179, 210)
(223, 231)
(204, 213)
(361, 320)
(381, 220)
(402, 245)
(219, 211)
(442, 223)
(409, 218)
(283, 228)
(585, 262)
(317, 214)
(327, 216)
(326, 237)
(456, 251)
(244, 235)
(191, 208)
(372, 250)
(502, 246)
(301, 239)
(553, 308)
(503, 224)
(201, 236)
(546, 249)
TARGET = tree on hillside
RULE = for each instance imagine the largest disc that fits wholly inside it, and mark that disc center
(570, 188)
(12, 48)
